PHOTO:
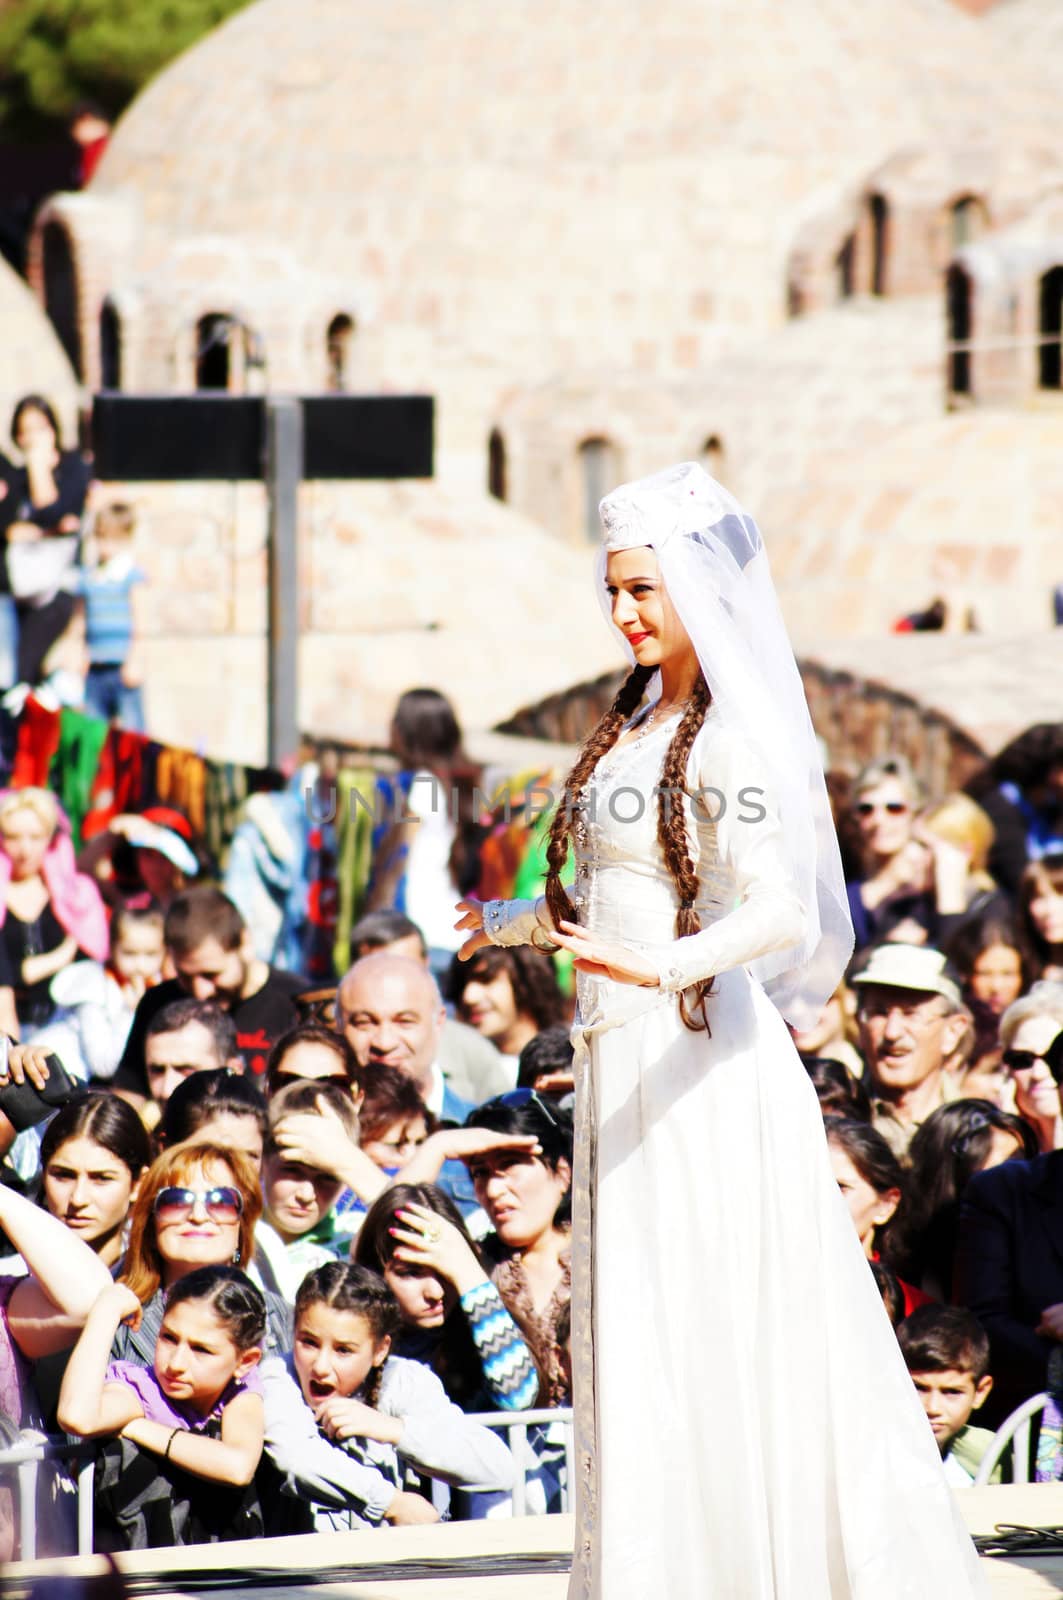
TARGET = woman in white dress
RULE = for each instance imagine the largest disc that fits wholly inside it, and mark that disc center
(746, 1428)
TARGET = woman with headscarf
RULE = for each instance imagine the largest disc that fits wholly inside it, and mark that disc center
(737, 1381)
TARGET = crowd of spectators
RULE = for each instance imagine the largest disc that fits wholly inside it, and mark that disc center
(938, 1067)
(315, 1231)
(292, 1237)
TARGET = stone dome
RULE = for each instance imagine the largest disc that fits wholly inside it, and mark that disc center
(526, 191)
(969, 507)
(31, 357)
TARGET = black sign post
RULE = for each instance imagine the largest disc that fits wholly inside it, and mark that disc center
(282, 440)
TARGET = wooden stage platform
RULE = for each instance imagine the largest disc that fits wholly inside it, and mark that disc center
(523, 1559)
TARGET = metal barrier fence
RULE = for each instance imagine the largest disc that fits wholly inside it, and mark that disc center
(23, 1462)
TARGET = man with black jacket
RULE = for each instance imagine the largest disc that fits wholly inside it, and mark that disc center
(213, 955)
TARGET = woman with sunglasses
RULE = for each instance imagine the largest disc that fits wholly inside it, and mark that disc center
(1031, 1039)
(314, 1050)
(197, 1207)
(735, 1377)
(910, 882)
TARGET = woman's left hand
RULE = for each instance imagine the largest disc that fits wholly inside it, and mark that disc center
(604, 960)
(347, 1418)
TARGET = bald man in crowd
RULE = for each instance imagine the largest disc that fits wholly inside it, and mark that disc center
(470, 1063)
(391, 1011)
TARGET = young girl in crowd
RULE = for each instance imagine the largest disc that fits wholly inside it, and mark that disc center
(300, 1229)
(453, 1317)
(996, 966)
(195, 1418)
(1041, 897)
(956, 1141)
(873, 1187)
(386, 1413)
(95, 1004)
(93, 1153)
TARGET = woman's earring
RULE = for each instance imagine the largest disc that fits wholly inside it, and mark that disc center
(236, 1258)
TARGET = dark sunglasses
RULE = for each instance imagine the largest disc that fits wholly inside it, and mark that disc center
(1021, 1060)
(281, 1080)
(516, 1098)
(221, 1204)
(867, 808)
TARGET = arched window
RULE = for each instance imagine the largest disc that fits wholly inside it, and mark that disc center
(599, 472)
(713, 457)
(110, 347)
(879, 213)
(959, 303)
(217, 337)
(496, 465)
(60, 291)
(967, 221)
(845, 269)
(339, 348)
(1051, 364)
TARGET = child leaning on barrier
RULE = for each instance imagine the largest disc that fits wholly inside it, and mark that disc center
(384, 1418)
(188, 1430)
(946, 1351)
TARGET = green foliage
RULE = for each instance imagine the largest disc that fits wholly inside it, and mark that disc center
(55, 53)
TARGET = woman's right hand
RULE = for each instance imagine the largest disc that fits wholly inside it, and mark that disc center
(471, 921)
(425, 1239)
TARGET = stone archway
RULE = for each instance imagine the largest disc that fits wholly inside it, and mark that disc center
(59, 275)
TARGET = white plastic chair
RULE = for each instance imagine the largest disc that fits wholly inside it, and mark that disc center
(1014, 1435)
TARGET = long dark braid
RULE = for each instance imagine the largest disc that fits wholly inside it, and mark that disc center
(602, 739)
(671, 824)
(675, 843)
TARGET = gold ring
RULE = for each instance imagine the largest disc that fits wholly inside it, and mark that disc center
(433, 1232)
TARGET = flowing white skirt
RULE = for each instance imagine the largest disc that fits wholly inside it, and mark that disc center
(746, 1428)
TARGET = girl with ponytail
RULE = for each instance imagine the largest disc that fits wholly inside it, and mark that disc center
(725, 1328)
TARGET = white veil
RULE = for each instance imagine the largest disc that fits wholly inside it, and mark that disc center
(715, 568)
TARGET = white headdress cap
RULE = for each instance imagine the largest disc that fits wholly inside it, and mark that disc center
(715, 568)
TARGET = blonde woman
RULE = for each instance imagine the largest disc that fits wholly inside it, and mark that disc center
(1029, 1029)
(49, 912)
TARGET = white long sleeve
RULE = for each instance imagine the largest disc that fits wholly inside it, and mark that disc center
(317, 1470)
(437, 1436)
(767, 914)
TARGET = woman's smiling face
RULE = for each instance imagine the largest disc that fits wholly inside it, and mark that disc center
(642, 609)
(197, 1239)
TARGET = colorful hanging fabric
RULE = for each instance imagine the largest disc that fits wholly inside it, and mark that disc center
(355, 791)
(38, 740)
(181, 781)
(77, 761)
